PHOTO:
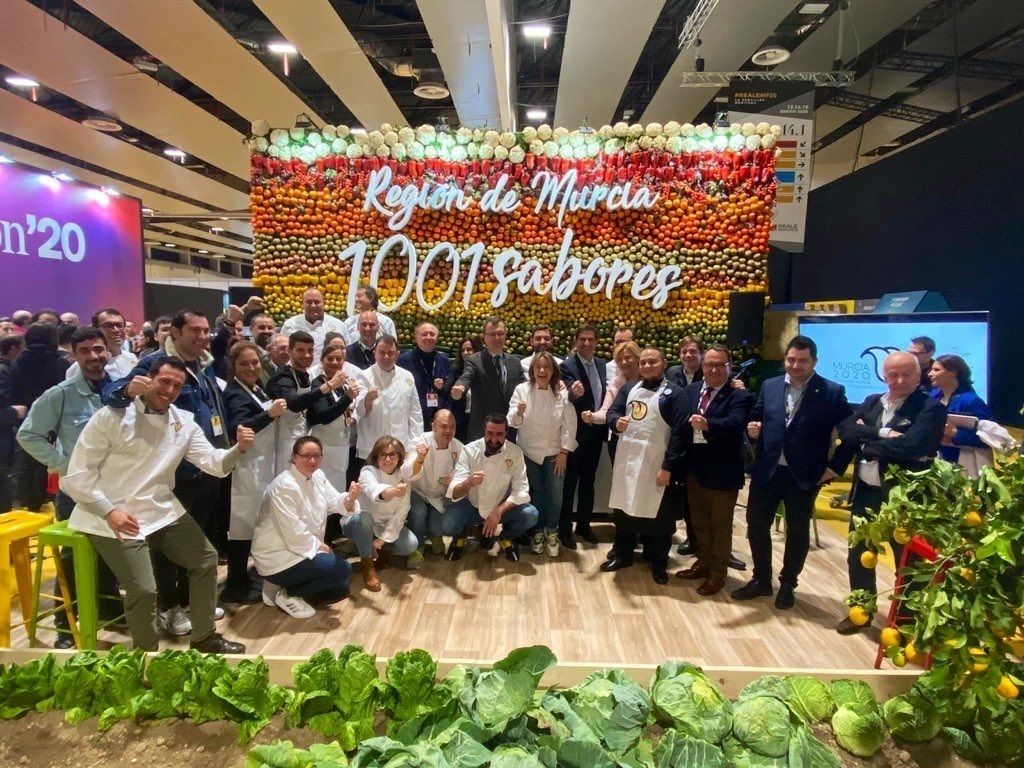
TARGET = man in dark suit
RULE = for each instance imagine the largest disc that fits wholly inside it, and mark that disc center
(360, 351)
(923, 350)
(691, 352)
(586, 377)
(429, 369)
(793, 419)
(715, 466)
(490, 375)
(901, 428)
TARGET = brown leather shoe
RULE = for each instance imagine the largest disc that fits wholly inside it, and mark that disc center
(712, 585)
(370, 580)
(383, 559)
(693, 573)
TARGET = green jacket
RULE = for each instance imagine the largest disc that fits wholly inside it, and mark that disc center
(63, 410)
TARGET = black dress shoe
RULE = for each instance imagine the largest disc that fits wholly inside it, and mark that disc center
(615, 564)
(611, 554)
(736, 564)
(660, 577)
(487, 543)
(686, 548)
(510, 550)
(752, 589)
(785, 599)
(568, 540)
(215, 643)
(455, 550)
(63, 642)
(587, 535)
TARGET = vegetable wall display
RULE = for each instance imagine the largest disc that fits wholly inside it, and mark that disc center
(650, 226)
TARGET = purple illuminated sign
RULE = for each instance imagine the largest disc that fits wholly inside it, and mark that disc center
(68, 245)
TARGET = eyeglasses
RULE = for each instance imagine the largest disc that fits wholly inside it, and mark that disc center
(716, 366)
(310, 456)
(389, 455)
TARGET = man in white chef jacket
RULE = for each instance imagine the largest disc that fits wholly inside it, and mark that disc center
(431, 460)
(491, 474)
(313, 321)
(388, 403)
(121, 477)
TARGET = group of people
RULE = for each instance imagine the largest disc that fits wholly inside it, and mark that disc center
(244, 443)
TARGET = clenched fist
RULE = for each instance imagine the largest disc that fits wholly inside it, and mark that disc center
(277, 408)
(244, 438)
(754, 430)
(576, 389)
(621, 424)
(138, 386)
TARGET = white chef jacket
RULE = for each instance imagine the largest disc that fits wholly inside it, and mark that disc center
(527, 361)
(125, 458)
(385, 327)
(504, 476)
(388, 516)
(116, 367)
(319, 329)
(395, 412)
(436, 472)
(292, 519)
(549, 424)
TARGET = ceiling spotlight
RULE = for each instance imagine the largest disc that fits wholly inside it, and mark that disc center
(104, 124)
(18, 81)
(536, 31)
(110, 191)
(284, 49)
(770, 55)
(175, 154)
(203, 250)
(536, 114)
(61, 176)
(146, 64)
(169, 245)
(216, 229)
(147, 211)
(813, 9)
(5, 159)
(431, 89)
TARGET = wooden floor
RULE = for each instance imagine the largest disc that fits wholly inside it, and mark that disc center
(483, 606)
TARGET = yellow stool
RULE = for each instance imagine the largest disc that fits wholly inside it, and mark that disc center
(16, 528)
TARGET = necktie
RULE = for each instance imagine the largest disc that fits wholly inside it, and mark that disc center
(595, 383)
(705, 399)
(499, 366)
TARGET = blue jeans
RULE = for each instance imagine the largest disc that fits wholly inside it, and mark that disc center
(427, 522)
(359, 528)
(324, 573)
(516, 522)
(545, 491)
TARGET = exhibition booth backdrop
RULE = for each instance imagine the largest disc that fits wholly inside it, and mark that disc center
(647, 226)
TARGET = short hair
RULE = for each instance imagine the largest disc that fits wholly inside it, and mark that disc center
(306, 440)
(421, 323)
(371, 294)
(162, 320)
(803, 342)
(925, 341)
(586, 328)
(42, 333)
(333, 346)
(382, 443)
(169, 362)
(627, 346)
(539, 328)
(45, 311)
(64, 333)
(331, 336)
(95, 320)
(300, 337)
(959, 366)
(236, 351)
(9, 342)
(388, 339)
(556, 372)
(496, 418)
(691, 339)
(180, 318)
(716, 347)
(84, 333)
(491, 320)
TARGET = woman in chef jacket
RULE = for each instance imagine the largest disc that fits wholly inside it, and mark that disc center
(380, 530)
(328, 418)
(247, 405)
(546, 420)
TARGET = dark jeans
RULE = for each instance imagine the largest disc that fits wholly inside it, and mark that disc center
(355, 466)
(580, 476)
(31, 480)
(866, 501)
(656, 548)
(762, 504)
(8, 484)
(325, 573)
(109, 602)
(201, 497)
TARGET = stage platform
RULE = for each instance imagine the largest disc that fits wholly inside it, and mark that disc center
(482, 606)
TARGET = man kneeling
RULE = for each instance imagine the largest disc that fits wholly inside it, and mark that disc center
(491, 474)
(121, 477)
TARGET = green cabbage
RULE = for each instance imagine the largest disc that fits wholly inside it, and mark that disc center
(809, 698)
(858, 733)
(677, 750)
(912, 717)
(683, 697)
(761, 723)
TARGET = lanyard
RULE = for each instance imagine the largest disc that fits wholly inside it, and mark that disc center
(250, 392)
(429, 374)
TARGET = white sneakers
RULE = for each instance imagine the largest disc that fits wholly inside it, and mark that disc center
(295, 607)
(537, 543)
(175, 621)
(552, 544)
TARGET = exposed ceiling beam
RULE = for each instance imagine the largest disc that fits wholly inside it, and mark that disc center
(322, 38)
(927, 63)
(503, 56)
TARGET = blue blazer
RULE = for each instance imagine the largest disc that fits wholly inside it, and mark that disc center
(718, 463)
(808, 438)
(964, 401)
(572, 370)
(409, 360)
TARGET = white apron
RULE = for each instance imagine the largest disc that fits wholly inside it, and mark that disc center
(290, 427)
(252, 474)
(638, 458)
(336, 439)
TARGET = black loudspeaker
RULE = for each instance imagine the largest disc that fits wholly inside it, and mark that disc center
(239, 294)
(746, 319)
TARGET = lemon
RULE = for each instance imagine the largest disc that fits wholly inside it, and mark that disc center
(858, 616)
(868, 559)
(982, 664)
(901, 536)
(967, 575)
(1007, 689)
(900, 659)
(890, 637)
(910, 652)
(973, 519)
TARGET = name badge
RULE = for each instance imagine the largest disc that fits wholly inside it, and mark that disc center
(218, 427)
(432, 400)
